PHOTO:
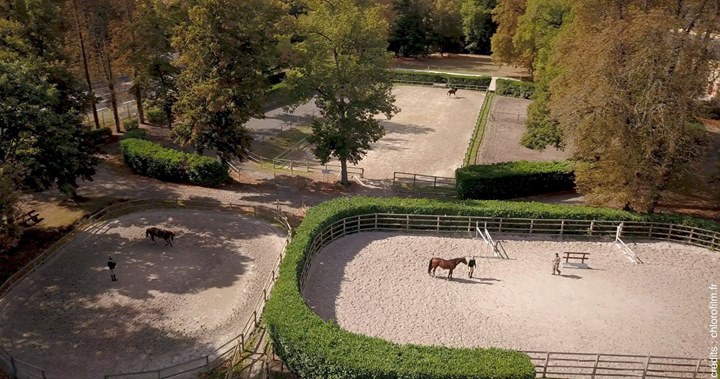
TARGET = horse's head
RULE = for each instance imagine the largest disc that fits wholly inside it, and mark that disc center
(463, 260)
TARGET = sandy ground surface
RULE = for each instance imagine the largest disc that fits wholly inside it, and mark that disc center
(377, 284)
(504, 131)
(428, 136)
(169, 304)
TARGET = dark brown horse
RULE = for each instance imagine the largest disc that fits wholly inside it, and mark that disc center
(161, 233)
(448, 264)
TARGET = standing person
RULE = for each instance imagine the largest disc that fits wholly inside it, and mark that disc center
(111, 265)
(556, 264)
(471, 267)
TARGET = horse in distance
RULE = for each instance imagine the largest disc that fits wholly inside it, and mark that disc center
(447, 264)
(160, 233)
(452, 91)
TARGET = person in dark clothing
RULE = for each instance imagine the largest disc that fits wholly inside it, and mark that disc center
(471, 267)
(111, 265)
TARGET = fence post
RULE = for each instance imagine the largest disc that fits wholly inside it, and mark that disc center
(597, 360)
(670, 231)
(697, 368)
(207, 363)
(545, 366)
(407, 221)
(344, 226)
(647, 363)
(375, 221)
(438, 223)
(532, 223)
(562, 226)
(434, 181)
(690, 236)
(592, 226)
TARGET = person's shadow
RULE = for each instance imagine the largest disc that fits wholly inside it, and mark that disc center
(571, 276)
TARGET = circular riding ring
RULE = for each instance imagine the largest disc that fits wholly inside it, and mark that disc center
(169, 303)
(377, 284)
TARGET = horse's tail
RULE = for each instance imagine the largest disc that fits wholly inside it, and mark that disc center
(430, 266)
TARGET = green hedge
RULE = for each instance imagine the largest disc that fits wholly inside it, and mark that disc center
(450, 79)
(514, 179)
(313, 348)
(514, 88)
(156, 116)
(134, 133)
(150, 159)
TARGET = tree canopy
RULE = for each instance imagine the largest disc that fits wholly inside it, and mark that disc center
(224, 50)
(343, 62)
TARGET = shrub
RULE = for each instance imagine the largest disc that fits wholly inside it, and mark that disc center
(514, 88)
(313, 348)
(156, 116)
(131, 124)
(150, 159)
(100, 136)
(134, 133)
(514, 179)
(450, 79)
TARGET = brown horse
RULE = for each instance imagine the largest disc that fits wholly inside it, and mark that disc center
(162, 233)
(448, 264)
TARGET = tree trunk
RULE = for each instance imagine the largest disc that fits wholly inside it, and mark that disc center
(85, 66)
(343, 173)
(106, 61)
(113, 104)
(138, 101)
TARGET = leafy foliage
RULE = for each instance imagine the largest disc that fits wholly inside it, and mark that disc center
(134, 133)
(343, 62)
(478, 25)
(150, 159)
(515, 88)
(514, 179)
(131, 124)
(411, 33)
(224, 50)
(156, 116)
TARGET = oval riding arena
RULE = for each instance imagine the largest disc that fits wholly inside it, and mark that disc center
(170, 303)
(641, 302)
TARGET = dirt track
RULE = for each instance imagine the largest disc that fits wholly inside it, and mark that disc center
(168, 305)
(377, 284)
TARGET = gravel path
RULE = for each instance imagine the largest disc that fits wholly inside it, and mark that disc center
(170, 304)
(377, 284)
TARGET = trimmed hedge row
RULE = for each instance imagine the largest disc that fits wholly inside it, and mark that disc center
(514, 179)
(150, 159)
(313, 348)
(450, 79)
(514, 88)
(134, 133)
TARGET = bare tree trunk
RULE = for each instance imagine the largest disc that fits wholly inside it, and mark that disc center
(138, 101)
(344, 173)
(106, 61)
(85, 66)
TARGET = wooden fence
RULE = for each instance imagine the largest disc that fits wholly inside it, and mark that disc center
(443, 85)
(225, 353)
(585, 365)
(424, 184)
(301, 166)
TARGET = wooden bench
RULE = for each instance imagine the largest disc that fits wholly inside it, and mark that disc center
(30, 218)
(582, 257)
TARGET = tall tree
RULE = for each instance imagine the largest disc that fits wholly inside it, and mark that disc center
(343, 61)
(412, 29)
(448, 26)
(631, 74)
(224, 49)
(84, 62)
(478, 25)
(41, 132)
(149, 52)
(506, 15)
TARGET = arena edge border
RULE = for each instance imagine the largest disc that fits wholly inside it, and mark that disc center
(313, 348)
(225, 353)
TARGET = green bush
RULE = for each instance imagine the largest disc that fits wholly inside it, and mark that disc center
(156, 116)
(134, 133)
(449, 79)
(514, 179)
(514, 88)
(100, 136)
(150, 159)
(313, 348)
(131, 124)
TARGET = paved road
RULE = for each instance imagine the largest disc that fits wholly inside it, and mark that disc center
(277, 120)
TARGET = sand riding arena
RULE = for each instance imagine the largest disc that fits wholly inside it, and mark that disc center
(169, 304)
(376, 283)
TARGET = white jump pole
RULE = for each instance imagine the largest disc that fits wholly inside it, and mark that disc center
(618, 232)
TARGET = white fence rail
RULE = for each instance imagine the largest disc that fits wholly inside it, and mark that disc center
(424, 184)
(302, 166)
(444, 85)
(19, 369)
